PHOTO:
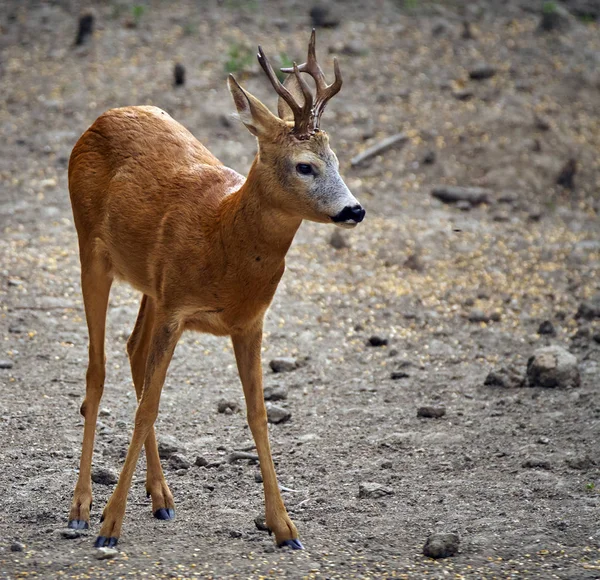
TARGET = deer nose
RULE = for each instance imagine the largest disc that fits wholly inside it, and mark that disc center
(355, 213)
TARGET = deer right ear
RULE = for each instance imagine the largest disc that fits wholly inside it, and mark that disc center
(257, 118)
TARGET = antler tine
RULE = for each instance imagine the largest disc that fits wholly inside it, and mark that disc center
(311, 67)
(302, 115)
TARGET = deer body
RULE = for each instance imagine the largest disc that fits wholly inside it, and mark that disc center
(205, 246)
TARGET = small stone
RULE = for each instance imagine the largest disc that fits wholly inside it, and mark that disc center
(453, 194)
(377, 341)
(277, 414)
(201, 461)
(85, 28)
(386, 465)
(17, 547)
(477, 315)
(321, 16)
(535, 463)
(463, 94)
(588, 310)
(235, 534)
(547, 327)
(581, 463)
(15, 329)
(178, 75)
(430, 157)
(505, 377)
(6, 364)
(552, 366)
(371, 490)
(463, 205)
(70, 534)
(554, 17)
(283, 364)
(15, 282)
(225, 406)
(167, 445)
(431, 412)
(441, 545)
(104, 476)
(482, 72)
(258, 478)
(397, 375)
(567, 174)
(104, 412)
(543, 440)
(338, 240)
(260, 523)
(106, 553)
(179, 461)
(276, 393)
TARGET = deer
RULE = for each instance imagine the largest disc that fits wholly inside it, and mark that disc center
(206, 247)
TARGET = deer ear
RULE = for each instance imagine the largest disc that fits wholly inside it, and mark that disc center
(283, 109)
(257, 118)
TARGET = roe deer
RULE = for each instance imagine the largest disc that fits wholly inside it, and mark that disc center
(205, 246)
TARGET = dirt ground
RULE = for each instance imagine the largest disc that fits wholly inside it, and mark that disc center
(456, 291)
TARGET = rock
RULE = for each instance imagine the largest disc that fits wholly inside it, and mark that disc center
(377, 341)
(588, 310)
(536, 463)
(106, 553)
(235, 534)
(277, 414)
(567, 174)
(414, 262)
(397, 375)
(201, 461)
(179, 461)
(321, 16)
(167, 445)
(283, 364)
(6, 364)
(581, 463)
(554, 17)
(14, 282)
(15, 329)
(431, 412)
(70, 534)
(276, 393)
(371, 490)
(547, 327)
(552, 366)
(463, 205)
(104, 476)
(229, 407)
(85, 28)
(477, 315)
(430, 157)
(261, 524)
(258, 478)
(241, 456)
(482, 72)
(338, 240)
(441, 545)
(17, 547)
(453, 194)
(467, 31)
(505, 377)
(463, 94)
(178, 75)
(104, 412)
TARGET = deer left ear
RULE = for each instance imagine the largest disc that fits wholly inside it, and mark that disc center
(257, 118)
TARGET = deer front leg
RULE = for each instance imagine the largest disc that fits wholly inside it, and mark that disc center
(164, 339)
(247, 349)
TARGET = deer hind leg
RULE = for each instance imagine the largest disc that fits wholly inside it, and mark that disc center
(163, 507)
(95, 286)
(247, 349)
(164, 336)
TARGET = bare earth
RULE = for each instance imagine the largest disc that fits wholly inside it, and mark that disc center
(531, 254)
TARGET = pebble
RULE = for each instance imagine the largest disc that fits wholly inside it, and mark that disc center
(201, 461)
(547, 327)
(589, 309)
(106, 553)
(377, 341)
(260, 523)
(431, 412)
(167, 445)
(581, 463)
(482, 72)
(371, 490)
(276, 414)
(536, 463)
(441, 545)
(104, 476)
(283, 364)
(6, 364)
(430, 157)
(70, 534)
(258, 478)
(276, 393)
(505, 377)
(452, 194)
(552, 366)
(179, 461)
(396, 375)
(105, 412)
(17, 547)
(225, 406)
(338, 240)
(321, 16)
(554, 17)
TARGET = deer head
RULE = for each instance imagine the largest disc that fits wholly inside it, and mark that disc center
(300, 170)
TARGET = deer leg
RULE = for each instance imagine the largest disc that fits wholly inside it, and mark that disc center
(247, 349)
(163, 507)
(95, 286)
(163, 340)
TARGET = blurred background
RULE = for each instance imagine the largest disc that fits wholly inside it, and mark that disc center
(470, 131)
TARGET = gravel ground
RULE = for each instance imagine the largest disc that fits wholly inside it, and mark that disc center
(450, 291)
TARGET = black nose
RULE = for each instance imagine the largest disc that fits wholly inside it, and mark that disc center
(355, 213)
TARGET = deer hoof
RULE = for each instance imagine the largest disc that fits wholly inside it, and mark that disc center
(293, 544)
(78, 525)
(104, 542)
(165, 514)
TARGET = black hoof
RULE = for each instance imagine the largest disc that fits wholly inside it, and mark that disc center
(78, 525)
(293, 544)
(104, 542)
(165, 514)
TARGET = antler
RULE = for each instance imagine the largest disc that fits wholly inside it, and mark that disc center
(324, 91)
(303, 115)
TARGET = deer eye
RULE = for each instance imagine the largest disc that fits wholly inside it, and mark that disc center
(304, 169)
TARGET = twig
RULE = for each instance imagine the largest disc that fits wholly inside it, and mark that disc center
(381, 147)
